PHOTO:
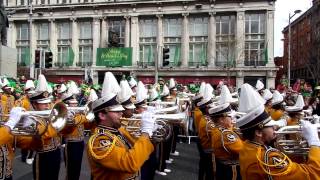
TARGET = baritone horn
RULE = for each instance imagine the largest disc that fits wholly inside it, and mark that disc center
(33, 123)
(290, 140)
(87, 110)
(162, 132)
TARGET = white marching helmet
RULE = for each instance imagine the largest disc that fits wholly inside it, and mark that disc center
(267, 95)
(259, 85)
(207, 96)
(141, 94)
(29, 85)
(124, 96)
(92, 96)
(277, 98)
(298, 105)
(172, 84)
(108, 101)
(225, 96)
(201, 91)
(165, 91)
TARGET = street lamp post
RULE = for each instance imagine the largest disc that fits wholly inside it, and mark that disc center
(289, 45)
(31, 64)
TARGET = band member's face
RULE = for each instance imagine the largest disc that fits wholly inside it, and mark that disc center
(128, 113)
(42, 106)
(227, 122)
(114, 117)
(140, 110)
(268, 136)
(73, 104)
(173, 92)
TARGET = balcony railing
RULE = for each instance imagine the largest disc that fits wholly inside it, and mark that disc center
(83, 64)
(197, 64)
(254, 63)
(145, 64)
(62, 64)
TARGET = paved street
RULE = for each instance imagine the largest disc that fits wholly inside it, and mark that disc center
(184, 166)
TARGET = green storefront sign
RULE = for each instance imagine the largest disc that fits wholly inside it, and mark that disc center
(114, 57)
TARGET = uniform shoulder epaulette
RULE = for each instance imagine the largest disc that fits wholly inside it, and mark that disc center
(273, 162)
(101, 144)
(228, 135)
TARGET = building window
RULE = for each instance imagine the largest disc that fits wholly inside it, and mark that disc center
(172, 38)
(255, 39)
(198, 32)
(225, 40)
(117, 29)
(22, 44)
(147, 41)
(43, 39)
(64, 44)
(85, 44)
(21, 2)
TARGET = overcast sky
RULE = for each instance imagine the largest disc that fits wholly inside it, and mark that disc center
(283, 8)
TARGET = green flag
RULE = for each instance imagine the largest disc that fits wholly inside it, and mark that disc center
(203, 56)
(149, 54)
(176, 55)
(70, 56)
(265, 52)
(25, 56)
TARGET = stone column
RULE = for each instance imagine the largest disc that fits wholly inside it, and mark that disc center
(75, 41)
(211, 50)
(95, 38)
(127, 32)
(240, 39)
(53, 41)
(159, 36)
(33, 45)
(270, 36)
(271, 79)
(11, 35)
(185, 41)
(239, 79)
(135, 39)
(104, 30)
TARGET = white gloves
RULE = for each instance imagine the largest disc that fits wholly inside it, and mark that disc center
(310, 133)
(147, 123)
(15, 115)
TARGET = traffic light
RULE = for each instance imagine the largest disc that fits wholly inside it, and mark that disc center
(48, 59)
(37, 58)
(165, 56)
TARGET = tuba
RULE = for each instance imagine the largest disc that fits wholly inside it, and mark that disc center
(161, 133)
(87, 110)
(33, 123)
(298, 145)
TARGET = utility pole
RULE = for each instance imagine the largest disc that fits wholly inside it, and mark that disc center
(31, 69)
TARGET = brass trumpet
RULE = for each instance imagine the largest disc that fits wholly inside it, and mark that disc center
(162, 132)
(290, 140)
(36, 122)
(87, 110)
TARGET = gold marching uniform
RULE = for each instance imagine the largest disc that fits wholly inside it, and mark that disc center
(7, 103)
(276, 114)
(23, 102)
(204, 133)
(73, 135)
(112, 156)
(197, 114)
(260, 162)
(226, 146)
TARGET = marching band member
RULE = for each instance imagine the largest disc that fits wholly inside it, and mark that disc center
(111, 154)
(259, 87)
(47, 159)
(196, 111)
(277, 111)
(148, 169)
(226, 144)
(24, 102)
(7, 100)
(295, 112)
(125, 99)
(204, 133)
(175, 127)
(267, 96)
(258, 160)
(73, 134)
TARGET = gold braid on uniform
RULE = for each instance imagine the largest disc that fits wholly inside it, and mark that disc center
(265, 166)
(91, 145)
